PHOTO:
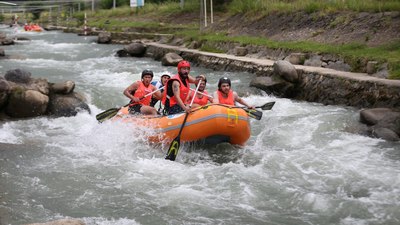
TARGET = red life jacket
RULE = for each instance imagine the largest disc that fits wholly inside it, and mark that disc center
(141, 92)
(227, 101)
(184, 91)
(200, 101)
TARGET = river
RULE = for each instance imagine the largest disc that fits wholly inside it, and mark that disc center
(300, 166)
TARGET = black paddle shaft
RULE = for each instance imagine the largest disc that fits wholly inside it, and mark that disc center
(174, 147)
(175, 144)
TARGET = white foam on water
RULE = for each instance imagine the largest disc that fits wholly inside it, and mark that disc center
(299, 166)
(105, 221)
(9, 135)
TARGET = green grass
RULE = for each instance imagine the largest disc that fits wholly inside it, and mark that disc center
(126, 17)
(267, 6)
(354, 53)
(157, 10)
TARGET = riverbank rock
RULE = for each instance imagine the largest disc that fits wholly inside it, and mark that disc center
(136, 49)
(4, 91)
(104, 38)
(382, 123)
(18, 76)
(22, 96)
(67, 105)
(286, 70)
(4, 40)
(171, 59)
(63, 88)
(281, 81)
(26, 103)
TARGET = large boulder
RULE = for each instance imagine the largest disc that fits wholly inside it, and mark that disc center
(104, 38)
(39, 84)
(274, 85)
(382, 122)
(286, 70)
(22, 96)
(26, 103)
(122, 53)
(22, 78)
(136, 49)
(4, 91)
(171, 59)
(18, 76)
(63, 88)
(67, 105)
(7, 41)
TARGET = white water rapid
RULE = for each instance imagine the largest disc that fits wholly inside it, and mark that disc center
(300, 165)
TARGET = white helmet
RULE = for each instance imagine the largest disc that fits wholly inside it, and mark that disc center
(166, 73)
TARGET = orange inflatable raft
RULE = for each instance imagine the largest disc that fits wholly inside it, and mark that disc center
(214, 123)
(33, 27)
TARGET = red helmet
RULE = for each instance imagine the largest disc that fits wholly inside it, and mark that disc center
(183, 63)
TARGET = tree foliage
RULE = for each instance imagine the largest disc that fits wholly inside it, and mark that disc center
(108, 4)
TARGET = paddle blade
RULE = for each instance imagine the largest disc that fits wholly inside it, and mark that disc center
(110, 113)
(254, 113)
(173, 149)
(267, 106)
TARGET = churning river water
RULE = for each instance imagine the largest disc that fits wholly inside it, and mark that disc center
(300, 165)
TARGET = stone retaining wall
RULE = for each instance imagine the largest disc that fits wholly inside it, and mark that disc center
(315, 84)
(331, 89)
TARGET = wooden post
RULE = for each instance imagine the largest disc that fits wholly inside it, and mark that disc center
(85, 27)
(205, 13)
(212, 14)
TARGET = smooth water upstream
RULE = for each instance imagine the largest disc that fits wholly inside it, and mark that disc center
(300, 165)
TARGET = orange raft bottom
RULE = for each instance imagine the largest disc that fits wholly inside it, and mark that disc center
(33, 28)
(215, 123)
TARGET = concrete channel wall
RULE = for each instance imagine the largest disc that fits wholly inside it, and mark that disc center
(315, 84)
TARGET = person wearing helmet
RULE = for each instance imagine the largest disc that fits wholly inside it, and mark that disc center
(139, 92)
(159, 84)
(178, 88)
(202, 97)
(225, 95)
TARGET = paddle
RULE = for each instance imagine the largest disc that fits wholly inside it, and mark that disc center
(255, 114)
(258, 114)
(110, 113)
(174, 147)
(267, 106)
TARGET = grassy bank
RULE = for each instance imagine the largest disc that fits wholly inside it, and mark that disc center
(157, 18)
(263, 7)
(355, 54)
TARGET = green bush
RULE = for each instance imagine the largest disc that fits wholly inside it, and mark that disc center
(108, 4)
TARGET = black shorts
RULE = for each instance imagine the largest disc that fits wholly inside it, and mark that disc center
(175, 109)
(135, 108)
